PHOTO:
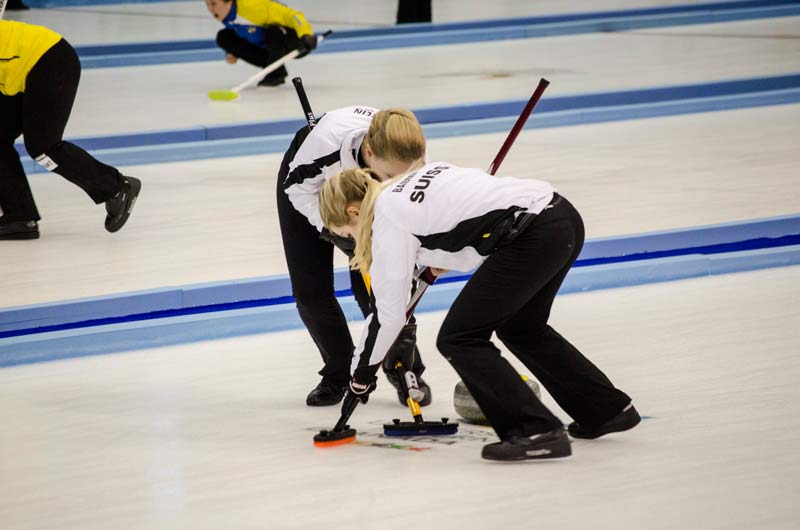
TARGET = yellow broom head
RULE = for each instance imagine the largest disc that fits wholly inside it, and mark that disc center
(223, 95)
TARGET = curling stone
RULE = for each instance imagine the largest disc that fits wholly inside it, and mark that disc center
(469, 410)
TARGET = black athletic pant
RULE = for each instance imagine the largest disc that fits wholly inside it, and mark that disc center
(41, 114)
(310, 262)
(279, 42)
(511, 294)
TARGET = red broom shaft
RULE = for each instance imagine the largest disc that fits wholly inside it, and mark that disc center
(543, 83)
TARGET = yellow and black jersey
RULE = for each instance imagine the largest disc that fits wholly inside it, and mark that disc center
(21, 47)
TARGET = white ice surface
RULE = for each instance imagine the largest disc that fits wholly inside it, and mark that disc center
(217, 435)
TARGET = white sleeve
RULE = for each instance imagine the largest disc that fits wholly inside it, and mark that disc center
(307, 173)
(391, 275)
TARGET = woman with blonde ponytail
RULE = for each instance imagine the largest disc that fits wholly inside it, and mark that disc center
(387, 142)
(523, 237)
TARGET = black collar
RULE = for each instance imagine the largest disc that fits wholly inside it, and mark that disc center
(359, 158)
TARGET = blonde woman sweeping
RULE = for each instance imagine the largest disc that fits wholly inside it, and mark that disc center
(388, 142)
(523, 237)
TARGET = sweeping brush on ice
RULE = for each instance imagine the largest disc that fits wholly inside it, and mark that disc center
(341, 432)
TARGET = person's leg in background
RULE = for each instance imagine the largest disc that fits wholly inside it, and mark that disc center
(228, 40)
(16, 5)
(413, 11)
(47, 103)
(16, 199)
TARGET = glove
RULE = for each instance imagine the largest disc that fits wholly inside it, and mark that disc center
(306, 44)
(403, 349)
(345, 244)
(364, 382)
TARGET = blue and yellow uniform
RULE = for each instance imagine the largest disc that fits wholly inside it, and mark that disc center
(248, 18)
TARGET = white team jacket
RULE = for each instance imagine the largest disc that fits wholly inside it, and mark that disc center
(332, 146)
(440, 216)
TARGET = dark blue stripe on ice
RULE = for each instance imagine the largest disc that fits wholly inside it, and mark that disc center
(412, 35)
(128, 336)
(260, 292)
(755, 244)
(457, 120)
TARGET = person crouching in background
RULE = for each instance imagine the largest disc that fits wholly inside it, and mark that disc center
(260, 32)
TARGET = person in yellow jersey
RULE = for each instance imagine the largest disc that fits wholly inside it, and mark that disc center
(39, 74)
(260, 32)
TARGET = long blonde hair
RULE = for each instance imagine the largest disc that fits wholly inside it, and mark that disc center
(395, 134)
(349, 187)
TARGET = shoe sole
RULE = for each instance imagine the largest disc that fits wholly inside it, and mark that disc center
(326, 404)
(546, 452)
(20, 237)
(136, 187)
(603, 432)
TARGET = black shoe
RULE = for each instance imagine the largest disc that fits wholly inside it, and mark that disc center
(120, 205)
(423, 386)
(553, 444)
(625, 420)
(16, 5)
(325, 394)
(276, 78)
(15, 230)
(272, 81)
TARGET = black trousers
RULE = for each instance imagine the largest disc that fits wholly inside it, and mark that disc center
(413, 11)
(279, 42)
(41, 114)
(310, 263)
(511, 294)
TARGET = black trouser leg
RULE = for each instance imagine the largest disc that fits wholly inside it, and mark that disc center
(413, 11)
(577, 385)
(49, 94)
(310, 263)
(500, 295)
(228, 40)
(16, 199)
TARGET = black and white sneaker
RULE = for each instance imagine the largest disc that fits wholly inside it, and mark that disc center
(625, 420)
(17, 230)
(325, 394)
(120, 205)
(552, 444)
(393, 378)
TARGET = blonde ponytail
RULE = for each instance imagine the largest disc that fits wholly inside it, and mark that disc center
(363, 255)
(395, 134)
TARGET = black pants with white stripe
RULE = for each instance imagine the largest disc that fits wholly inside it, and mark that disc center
(310, 262)
(41, 114)
(511, 294)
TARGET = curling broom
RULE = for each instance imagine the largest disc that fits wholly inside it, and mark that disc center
(233, 93)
